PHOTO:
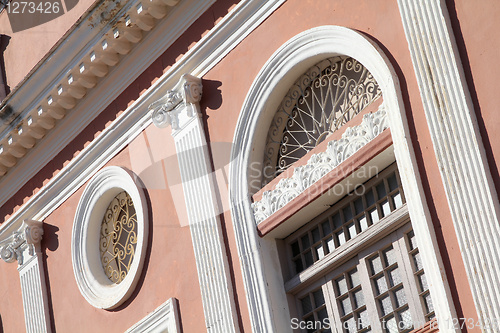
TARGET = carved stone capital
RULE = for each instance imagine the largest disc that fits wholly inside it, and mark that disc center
(27, 237)
(179, 104)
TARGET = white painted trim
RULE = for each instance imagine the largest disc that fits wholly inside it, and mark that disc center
(24, 246)
(265, 295)
(460, 154)
(233, 28)
(93, 283)
(230, 31)
(130, 67)
(346, 251)
(180, 108)
(164, 319)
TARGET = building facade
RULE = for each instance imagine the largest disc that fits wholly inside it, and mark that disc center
(249, 166)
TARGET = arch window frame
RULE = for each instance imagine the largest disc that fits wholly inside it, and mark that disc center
(262, 279)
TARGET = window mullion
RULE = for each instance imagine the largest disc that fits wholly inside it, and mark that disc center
(409, 280)
(369, 292)
(331, 307)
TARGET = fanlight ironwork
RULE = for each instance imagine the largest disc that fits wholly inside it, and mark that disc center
(322, 100)
(118, 237)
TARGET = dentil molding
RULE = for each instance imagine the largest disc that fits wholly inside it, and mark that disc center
(337, 151)
(30, 114)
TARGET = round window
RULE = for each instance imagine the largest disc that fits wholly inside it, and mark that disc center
(118, 237)
(109, 237)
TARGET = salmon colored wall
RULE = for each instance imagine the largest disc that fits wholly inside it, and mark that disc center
(27, 47)
(119, 105)
(11, 306)
(170, 270)
(476, 32)
(226, 86)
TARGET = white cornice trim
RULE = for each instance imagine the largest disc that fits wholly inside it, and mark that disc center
(99, 41)
(233, 28)
(460, 154)
(139, 59)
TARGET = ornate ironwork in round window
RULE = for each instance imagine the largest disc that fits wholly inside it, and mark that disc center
(110, 236)
(118, 237)
(321, 101)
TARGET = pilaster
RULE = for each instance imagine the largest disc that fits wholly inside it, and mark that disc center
(472, 198)
(180, 109)
(24, 247)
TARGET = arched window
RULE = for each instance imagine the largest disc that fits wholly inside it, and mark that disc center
(348, 269)
(322, 100)
(335, 235)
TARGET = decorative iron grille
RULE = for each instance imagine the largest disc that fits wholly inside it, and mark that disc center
(321, 101)
(118, 237)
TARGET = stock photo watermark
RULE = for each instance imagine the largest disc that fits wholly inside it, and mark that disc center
(24, 15)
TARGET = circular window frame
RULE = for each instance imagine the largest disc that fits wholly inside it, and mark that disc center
(93, 283)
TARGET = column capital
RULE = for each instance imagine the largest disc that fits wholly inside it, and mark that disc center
(179, 104)
(27, 237)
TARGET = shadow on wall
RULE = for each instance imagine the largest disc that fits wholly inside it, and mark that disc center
(50, 242)
(4, 88)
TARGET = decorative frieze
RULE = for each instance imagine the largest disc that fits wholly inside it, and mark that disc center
(337, 151)
(180, 109)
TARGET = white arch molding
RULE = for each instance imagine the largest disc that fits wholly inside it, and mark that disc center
(93, 283)
(259, 260)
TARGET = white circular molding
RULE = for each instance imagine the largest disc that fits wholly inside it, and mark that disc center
(93, 283)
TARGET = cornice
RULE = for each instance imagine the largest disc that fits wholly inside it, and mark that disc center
(152, 46)
(87, 53)
(203, 56)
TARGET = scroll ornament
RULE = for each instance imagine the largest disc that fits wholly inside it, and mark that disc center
(27, 237)
(166, 110)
